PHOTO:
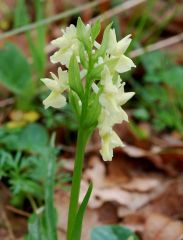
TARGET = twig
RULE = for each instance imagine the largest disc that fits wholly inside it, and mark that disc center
(158, 45)
(117, 10)
(18, 211)
(52, 19)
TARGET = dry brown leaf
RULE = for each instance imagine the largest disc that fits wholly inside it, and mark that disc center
(95, 172)
(170, 201)
(142, 184)
(160, 227)
(135, 152)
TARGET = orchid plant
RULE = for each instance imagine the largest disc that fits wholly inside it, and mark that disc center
(96, 94)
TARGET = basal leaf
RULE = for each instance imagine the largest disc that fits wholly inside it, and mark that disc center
(76, 232)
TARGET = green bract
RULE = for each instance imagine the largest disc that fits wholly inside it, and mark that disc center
(74, 77)
(95, 30)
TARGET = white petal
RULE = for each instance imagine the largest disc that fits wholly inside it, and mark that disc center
(100, 60)
(83, 73)
(115, 140)
(106, 150)
(109, 141)
(112, 43)
(55, 58)
(58, 42)
(96, 44)
(55, 100)
(51, 84)
(70, 31)
(125, 97)
(124, 115)
(123, 44)
(65, 57)
(54, 77)
(106, 78)
(124, 64)
(95, 87)
(63, 78)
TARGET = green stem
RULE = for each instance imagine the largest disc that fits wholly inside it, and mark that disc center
(81, 143)
(82, 138)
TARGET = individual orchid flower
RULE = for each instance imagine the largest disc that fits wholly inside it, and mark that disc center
(109, 140)
(57, 85)
(68, 45)
(117, 50)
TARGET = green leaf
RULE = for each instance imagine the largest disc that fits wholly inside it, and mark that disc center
(76, 232)
(21, 16)
(32, 138)
(74, 77)
(95, 30)
(50, 211)
(15, 71)
(22, 185)
(112, 232)
(37, 228)
(36, 42)
(34, 228)
(37, 46)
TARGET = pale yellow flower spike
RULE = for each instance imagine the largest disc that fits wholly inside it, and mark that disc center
(109, 87)
(111, 100)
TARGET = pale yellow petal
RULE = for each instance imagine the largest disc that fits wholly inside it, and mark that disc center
(123, 98)
(55, 100)
(51, 84)
(124, 64)
(123, 44)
